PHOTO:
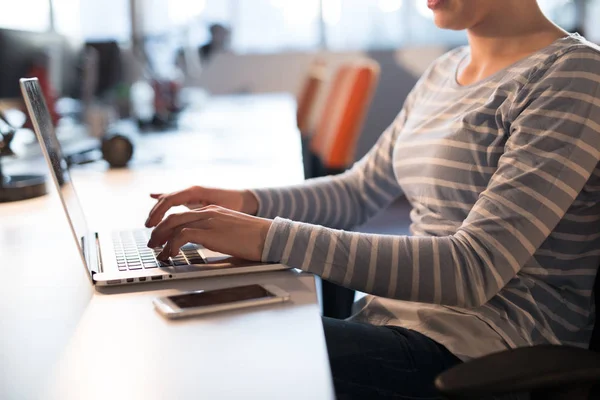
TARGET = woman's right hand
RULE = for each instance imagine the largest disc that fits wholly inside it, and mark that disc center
(198, 196)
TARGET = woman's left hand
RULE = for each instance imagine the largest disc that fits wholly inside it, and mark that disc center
(216, 228)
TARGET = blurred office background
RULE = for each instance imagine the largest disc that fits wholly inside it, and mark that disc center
(272, 44)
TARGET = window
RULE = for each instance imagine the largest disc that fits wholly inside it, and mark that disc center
(357, 24)
(104, 19)
(31, 15)
(257, 25)
(65, 20)
(271, 25)
(275, 25)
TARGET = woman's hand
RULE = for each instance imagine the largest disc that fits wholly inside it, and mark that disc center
(216, 228)
(197, 197)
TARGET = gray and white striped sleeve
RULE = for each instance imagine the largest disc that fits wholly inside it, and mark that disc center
(342, 201)
(552, 150)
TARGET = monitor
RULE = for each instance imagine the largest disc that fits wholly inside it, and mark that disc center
(20, 49)
(109, 68)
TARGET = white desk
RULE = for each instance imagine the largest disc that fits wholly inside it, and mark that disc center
(61, 339)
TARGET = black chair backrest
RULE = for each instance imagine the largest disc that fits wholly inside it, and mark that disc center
(595, 341)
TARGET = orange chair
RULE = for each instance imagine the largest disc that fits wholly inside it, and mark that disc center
(343, 115)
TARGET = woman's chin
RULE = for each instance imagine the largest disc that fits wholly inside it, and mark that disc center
(447, 22)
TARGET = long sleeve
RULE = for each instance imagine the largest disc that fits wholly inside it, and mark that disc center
(551, 150)
(342, 201)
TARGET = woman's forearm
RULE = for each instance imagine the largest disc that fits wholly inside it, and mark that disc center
(341, 201)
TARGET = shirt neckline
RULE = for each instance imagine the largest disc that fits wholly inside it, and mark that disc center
(467, 52)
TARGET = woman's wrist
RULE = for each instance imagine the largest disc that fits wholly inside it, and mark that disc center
(249, 203)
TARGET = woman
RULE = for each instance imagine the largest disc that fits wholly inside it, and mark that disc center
(497, 149)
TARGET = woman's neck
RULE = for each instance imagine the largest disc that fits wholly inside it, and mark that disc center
(502, 40)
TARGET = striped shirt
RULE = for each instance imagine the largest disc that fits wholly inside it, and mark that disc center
(504, 183)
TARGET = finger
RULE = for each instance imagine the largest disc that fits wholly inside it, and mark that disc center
(185, 235)
(159, 210)
(165, 229)
(195, 206)
(149, 221)
(164, 254)
(167, 250)
(204, 224)
(165, 203)
(156, 195)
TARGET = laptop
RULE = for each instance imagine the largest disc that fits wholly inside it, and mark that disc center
(122, 257)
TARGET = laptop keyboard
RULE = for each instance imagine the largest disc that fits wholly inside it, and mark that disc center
(133, 254)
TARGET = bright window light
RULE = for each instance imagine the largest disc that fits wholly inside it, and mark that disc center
(94, 16)
(388, 6)
(63, 17)
(297, 12)
(182, 11)
(275, 25)
(30, 15)
(332, 11)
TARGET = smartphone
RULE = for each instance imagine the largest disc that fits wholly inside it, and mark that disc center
(210, 301)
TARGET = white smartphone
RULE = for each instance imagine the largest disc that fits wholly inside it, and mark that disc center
(210, 301)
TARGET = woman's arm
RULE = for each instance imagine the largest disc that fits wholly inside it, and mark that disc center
(553, 148)
(341, 201)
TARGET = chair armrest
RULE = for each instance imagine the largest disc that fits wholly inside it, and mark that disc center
(521, 370)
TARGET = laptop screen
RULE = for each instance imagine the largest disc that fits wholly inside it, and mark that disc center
(44, 130)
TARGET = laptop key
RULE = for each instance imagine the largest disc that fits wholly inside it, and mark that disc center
(150, 265)
(135, 266)
(122, 267)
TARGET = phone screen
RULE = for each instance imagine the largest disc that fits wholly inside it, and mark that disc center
(220, 296)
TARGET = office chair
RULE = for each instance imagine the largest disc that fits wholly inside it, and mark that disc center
(331, 148)
(547, 372)
(334, 142)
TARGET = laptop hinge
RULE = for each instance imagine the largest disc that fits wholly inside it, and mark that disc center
(87, 261)
(98, 253)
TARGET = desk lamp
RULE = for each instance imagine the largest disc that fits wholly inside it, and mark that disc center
(16, 187)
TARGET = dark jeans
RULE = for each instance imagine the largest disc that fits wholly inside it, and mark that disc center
(376, 362)
(337, 300)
